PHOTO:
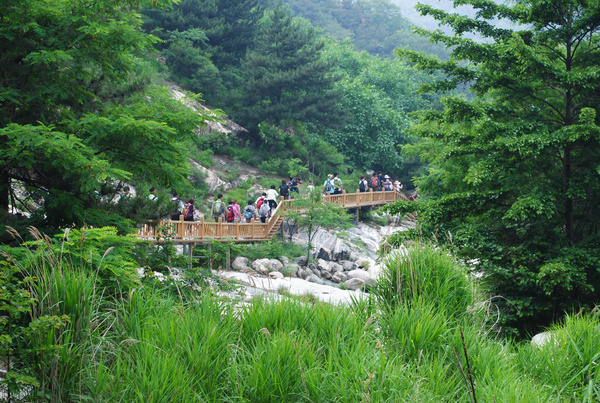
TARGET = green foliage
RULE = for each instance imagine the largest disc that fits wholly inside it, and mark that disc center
(286, 79)
(424, 272)
(273, 249)
(81, 108)
(512, 172)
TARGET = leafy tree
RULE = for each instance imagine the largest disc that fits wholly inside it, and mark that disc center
(379, 94)
(514, 173)
(312, 213)
(286, 77)
(77, 111)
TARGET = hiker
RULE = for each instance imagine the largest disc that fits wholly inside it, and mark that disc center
(337, 184)
(261, 199)
(250, 211)
(126, 196)
(178, 207)
(380, 179)
(152, 196)
(311, 187)
(218, 208)
(264, 212)
(284, 190)
(387, 183)
(398, 186)
(230, 216)
(237, 211)
(271, 197)
(188, 211)
(363, 185)
(374, 182)
(293, 185)
(328, 185)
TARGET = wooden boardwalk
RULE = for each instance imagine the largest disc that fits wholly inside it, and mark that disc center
(182, 232)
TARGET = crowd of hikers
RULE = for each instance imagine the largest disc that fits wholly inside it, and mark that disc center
(266, 203)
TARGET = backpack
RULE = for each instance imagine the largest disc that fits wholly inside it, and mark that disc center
(260, 202)
(248, 213)
(373, 182)
(217, 208)
(188, 211)
(328, 186)
(362, 186)
(230, 214)
(283, 190)
(264, 210)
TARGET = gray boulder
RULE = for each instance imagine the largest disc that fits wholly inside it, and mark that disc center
(314, 279)
(339, 277)
(275, 264)
(348, 265)
(335, 267)
(239, 263)
(354, 284)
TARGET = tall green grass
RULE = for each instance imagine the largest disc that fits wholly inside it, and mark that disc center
(413, 341)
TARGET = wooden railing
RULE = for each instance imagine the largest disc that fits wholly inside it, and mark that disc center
(199, 231)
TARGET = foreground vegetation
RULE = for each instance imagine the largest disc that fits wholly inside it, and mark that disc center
(422, 334)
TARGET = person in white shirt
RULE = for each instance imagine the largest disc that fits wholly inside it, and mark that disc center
(272, 196)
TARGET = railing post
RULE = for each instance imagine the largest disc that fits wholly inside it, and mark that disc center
(220, 228)
(344, 197)
(201, 228)
(236, 230)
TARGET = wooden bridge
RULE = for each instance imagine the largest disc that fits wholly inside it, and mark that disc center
(193, 232)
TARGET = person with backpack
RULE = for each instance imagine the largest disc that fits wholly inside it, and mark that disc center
(363, 185)
(218, 208)
(230, 216)
(380, 179)
(337, 184)
(387, 183)
(264, 212)
(284, 190)
(328, 185)
(260, 200)
(188, 211)
(374, 182)
(249, 211)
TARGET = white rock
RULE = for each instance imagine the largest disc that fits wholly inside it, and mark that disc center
(239, 263)
(359, 274)
(275, 275)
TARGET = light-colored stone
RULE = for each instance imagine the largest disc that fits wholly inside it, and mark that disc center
(284, 260)
(275, 264)
(326, 275)
(363, 262)
(260, 266)
(322, 265)
(335, 267)
(360, 274)
(339, 277)
(348, 265)
(541, 339)
(239, 263)
(354, 284)
(275, 275)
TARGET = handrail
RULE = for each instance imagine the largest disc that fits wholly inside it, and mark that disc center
(199, 231)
